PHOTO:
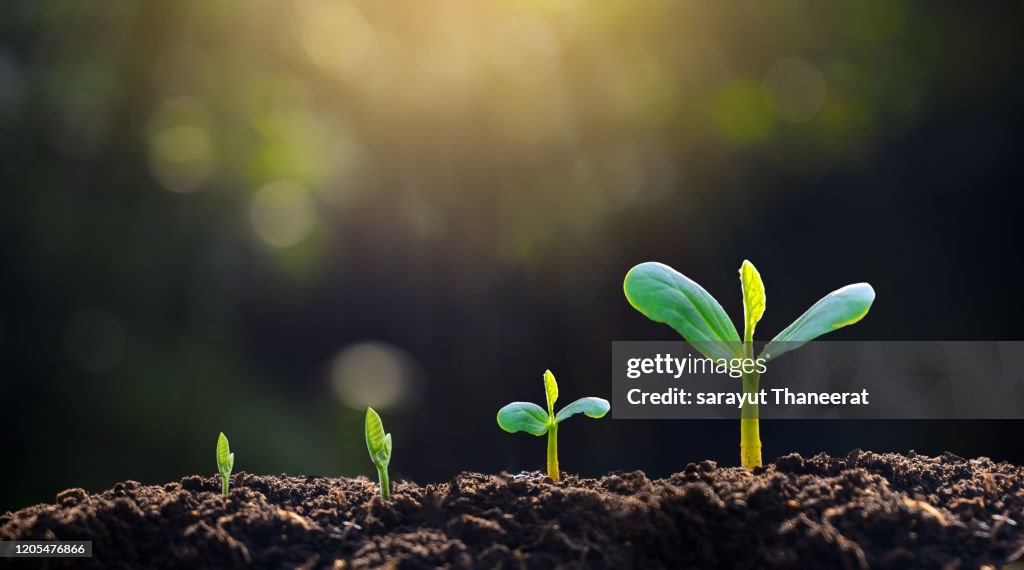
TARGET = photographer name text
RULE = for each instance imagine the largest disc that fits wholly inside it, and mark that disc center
(779, 396)
(677, 368)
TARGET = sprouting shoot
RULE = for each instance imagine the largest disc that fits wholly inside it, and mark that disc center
(225, 462)
(379, 445)
(531, 418)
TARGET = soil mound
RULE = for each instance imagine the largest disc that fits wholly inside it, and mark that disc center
(864, 510)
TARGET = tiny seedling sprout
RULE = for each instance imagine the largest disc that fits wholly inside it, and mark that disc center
(379, 445)
(667, 296)
(225, 461)
(531, 418)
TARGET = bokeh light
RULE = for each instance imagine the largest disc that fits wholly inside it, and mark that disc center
(794, 89)
(338, 39)
(181, 153)
(740, 114)
(373, 374)
(283, 213)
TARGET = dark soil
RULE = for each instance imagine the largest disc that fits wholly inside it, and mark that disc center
(864, 510)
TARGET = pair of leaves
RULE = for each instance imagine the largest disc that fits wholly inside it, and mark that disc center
(531, 418)
(666, 296)
(377, 442)
(225, 459)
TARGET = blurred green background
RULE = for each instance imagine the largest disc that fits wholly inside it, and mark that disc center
(258, 217)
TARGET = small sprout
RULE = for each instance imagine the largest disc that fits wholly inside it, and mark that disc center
(225, 461)
(667, 296)
(531, 418)
(379, 445)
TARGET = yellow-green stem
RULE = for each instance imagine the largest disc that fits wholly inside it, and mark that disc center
(750, 443)
(385, 484)
(553, 451)
(750, 429)
(224, 481)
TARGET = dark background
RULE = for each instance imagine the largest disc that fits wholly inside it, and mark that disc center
(257, 217)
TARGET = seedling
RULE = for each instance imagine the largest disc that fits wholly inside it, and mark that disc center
(531, 418)
(667, 296)
(225, 461)
(379, 445)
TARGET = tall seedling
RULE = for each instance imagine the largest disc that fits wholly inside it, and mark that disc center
(666, 296)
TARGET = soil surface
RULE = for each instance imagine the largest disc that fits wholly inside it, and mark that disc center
(864, 510)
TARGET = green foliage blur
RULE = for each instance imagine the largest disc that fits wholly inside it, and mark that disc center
(260, 217)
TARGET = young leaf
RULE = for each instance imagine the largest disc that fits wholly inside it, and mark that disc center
(225, 459)
(836, 310)
(523, 416)
(551, 391)
(666, 296)
(591, 407)
(225, 462)
(753, 298)
(377, 443)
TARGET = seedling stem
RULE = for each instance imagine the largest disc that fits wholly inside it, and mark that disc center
(553, 471)
(750, 425)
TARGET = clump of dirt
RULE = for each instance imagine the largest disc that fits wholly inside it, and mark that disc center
(864, 510)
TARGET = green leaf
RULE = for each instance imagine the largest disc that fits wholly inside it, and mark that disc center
(753, 298)
(377, 442)
(666, 296)
(550, 391)
(225, 459)
(836, 310)
(591, 407)
(523, 416)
